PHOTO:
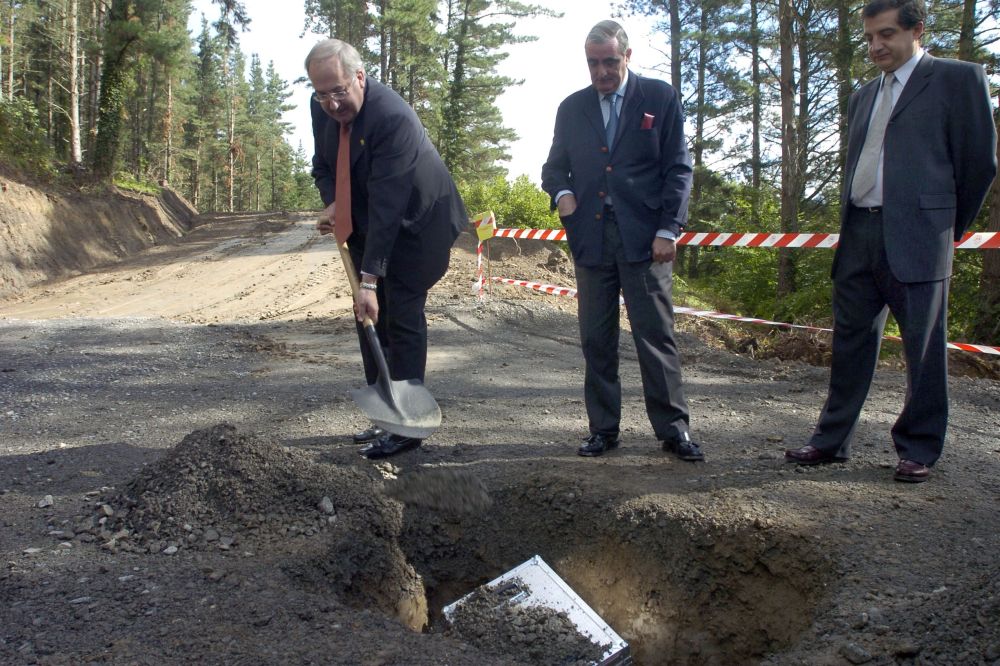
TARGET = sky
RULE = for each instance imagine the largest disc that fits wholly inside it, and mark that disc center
(552, 67)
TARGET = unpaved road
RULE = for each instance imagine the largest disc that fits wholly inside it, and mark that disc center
(221, 550)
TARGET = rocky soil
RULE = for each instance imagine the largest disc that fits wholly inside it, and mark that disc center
(178, 483)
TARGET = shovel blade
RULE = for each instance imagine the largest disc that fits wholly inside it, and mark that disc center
(404, 408)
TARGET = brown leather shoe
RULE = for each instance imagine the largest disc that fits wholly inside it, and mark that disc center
(909, 471)
(810, 455)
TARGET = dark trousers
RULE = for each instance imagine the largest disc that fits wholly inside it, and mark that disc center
(416, 263)
(646, 287)
(864, 291)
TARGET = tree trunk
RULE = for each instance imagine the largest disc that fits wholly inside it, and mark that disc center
(755, 151)
(789, 151)
(676, 36)
(115, 81)
(967, 32)
(986, 328)
(1, 57)
(699, 139)
(76, 148)
(383, 43)
(10, 46)
(231, 175)
(168, 128)
(273, 195)
(196, 175)
(844, 65)
(256, 181)
(96, 63)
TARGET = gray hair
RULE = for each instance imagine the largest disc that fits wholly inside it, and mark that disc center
(605, 31)
(346, 55)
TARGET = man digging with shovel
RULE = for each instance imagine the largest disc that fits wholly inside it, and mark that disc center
(395, 212)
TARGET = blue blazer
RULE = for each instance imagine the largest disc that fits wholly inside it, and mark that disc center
(399, 185)
(938, 163)
(647, 172)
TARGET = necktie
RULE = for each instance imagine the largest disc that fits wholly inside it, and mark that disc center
(612, 126)
(342, 224)
(864, 174)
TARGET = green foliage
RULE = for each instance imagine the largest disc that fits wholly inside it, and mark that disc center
(520, 203)
(23, 142)
(963, 300)
(128, 182)
(744, 280)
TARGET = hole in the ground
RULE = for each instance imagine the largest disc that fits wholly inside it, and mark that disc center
(680, 588)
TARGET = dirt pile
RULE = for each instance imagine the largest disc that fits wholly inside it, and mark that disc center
(220, 489)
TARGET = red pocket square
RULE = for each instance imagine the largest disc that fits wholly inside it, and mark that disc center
(647, 121)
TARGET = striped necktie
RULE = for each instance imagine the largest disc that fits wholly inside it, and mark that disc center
(612, 127)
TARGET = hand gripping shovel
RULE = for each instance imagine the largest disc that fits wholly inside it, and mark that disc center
(404, 408)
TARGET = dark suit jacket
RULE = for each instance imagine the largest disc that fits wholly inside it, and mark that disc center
(939, 161)
(399, 185)
(647, 172)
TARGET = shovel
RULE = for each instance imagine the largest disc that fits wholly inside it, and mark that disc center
(405, 408)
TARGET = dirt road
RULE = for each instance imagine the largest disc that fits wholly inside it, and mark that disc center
(135, 529)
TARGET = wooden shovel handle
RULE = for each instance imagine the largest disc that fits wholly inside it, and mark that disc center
(352, 276)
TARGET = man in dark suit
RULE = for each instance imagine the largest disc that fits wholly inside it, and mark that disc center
(920, 160)
(620, 176)
(405, 209)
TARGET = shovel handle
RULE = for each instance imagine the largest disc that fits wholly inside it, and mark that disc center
(373, 342)
(352, 277)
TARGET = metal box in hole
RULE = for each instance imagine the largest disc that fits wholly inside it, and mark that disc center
(544, 587)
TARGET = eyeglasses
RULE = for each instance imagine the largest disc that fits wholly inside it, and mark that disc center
(335, 95)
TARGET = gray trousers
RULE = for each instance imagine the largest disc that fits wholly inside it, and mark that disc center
(646, 286)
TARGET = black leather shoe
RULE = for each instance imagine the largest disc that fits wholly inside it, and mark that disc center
(596, 445)
(389, 445)
(685, 449)
(368, 435)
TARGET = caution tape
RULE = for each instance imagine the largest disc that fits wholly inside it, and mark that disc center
(709, 314)
(533, 234)
(983, 240)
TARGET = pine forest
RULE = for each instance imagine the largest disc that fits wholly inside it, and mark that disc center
(122, 91)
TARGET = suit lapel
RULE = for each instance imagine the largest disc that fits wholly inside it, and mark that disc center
(358, 126)
(593, 114)
(918, 80)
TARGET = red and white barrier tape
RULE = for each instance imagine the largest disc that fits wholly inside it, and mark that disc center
(984, 240)
(565, 291)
